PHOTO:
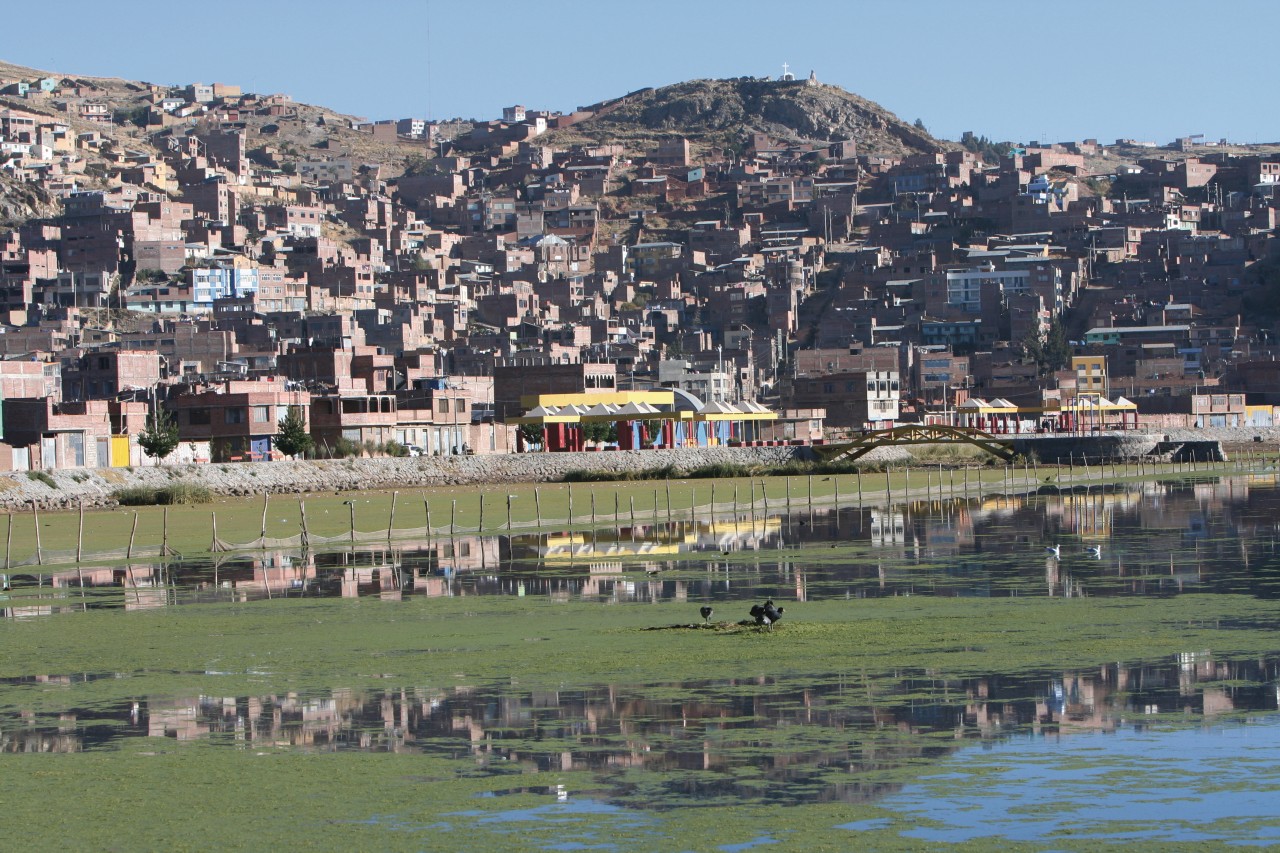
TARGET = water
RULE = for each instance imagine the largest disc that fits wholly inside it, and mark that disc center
(1216, 535)
(1179, 748)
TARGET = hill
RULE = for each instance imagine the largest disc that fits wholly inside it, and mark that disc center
(723, 112)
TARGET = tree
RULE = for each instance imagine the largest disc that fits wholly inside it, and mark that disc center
(293, 437)
(160, 437)
(1057, 349)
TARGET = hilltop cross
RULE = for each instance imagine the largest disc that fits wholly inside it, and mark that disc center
(785, 70)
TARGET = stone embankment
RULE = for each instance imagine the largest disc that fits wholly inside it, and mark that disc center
(95, 487)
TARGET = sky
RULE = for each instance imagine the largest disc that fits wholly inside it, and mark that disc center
(1007, 70)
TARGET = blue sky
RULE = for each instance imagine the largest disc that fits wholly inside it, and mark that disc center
(1017, 71)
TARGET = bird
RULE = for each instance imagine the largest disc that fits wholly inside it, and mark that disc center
(1094, 551)
(766, 614)
(1055, 550)
(706, 612)
(773, 614)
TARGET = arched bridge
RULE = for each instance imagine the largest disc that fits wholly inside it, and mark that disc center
(915, 434)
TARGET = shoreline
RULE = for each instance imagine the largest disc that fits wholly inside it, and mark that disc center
(95, 487)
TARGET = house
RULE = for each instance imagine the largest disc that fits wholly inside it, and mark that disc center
(860, 399)
(239, 419)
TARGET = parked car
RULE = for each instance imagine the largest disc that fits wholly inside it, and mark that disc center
(415, 450)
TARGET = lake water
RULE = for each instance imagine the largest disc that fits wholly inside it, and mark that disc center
(1183, 748)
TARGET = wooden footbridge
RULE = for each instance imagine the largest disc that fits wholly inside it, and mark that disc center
(915, 434)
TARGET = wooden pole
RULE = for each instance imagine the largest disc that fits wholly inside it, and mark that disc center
(571, 504)
(810, 494)
(593, 508)
(391, 522)
(164, 537)
(480, 529)
(858, 475)
(668, 481)
(508, 513)
(35, 513)
(453, 517)
(302, 520)
(262, 539)
(537, 507)
(80, 541)
(8, 537)
(632, 500)
(214, 547)
(351, 506)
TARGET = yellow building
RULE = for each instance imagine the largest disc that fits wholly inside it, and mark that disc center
(1091, 374)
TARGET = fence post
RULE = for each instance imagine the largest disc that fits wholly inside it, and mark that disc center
(35, 513)
(80, 543)
(391, 523)
(302, 519)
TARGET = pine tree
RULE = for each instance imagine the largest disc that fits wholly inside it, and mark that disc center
(160, 437)
(293, 437)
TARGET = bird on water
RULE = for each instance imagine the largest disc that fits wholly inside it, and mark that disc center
(1055, 551)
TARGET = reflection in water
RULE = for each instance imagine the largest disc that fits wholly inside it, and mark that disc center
(1150, 538)
(775, 740)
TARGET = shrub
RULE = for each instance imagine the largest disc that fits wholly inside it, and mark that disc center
(395, 448)
(136, 496)
(42, 477)
(172, 494)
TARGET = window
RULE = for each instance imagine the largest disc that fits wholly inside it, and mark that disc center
(235, 414)
(198, 417)
(442, 404)
(460, 405)
(262, 414)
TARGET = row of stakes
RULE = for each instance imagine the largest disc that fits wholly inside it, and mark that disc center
(1009, 479)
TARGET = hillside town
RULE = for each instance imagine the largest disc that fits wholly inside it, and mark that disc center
(510, 285)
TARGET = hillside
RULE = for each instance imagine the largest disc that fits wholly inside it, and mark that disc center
(307, 132)
(723, 112)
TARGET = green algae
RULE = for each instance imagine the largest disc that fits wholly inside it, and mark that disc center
(255, 795)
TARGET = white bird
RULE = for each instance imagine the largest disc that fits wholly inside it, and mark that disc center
(1094, 551)
(1055, 550)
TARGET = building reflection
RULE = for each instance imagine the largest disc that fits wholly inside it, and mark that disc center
(856, 729)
